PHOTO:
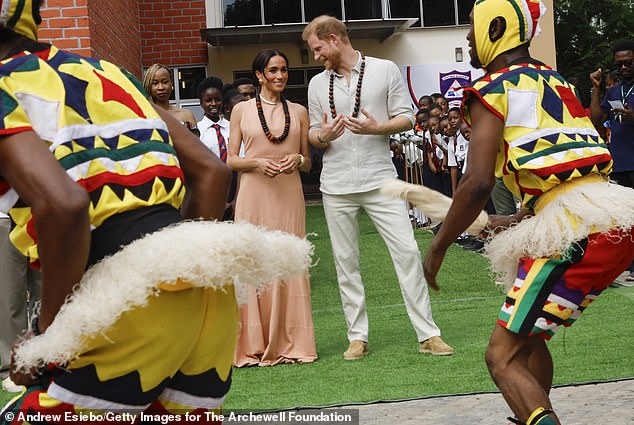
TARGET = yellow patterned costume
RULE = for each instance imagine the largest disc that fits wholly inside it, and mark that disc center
(551, 157)
(172, 351)
(548, 137)
(99, 126)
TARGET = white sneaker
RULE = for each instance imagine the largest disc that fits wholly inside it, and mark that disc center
(9, 386)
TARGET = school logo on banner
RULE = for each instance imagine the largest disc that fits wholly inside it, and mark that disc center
(452, 83)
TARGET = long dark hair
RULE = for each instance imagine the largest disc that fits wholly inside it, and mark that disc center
(263, 57)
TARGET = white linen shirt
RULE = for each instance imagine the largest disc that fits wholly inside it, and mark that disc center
(208, 134)
(355, 163)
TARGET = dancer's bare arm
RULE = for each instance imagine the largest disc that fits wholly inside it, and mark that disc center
(474, 189)
(60, 212)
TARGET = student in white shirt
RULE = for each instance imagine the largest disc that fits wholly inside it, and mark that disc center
(456, 148)
(214, 129)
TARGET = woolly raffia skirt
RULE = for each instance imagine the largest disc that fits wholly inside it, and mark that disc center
(157, 321)
(563, 216)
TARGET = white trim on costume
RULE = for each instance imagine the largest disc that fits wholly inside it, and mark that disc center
(106, 131)
(188, 400)
(531, 137)
(201, 254)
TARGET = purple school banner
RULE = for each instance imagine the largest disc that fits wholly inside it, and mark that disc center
(446, 78)
(452, 84)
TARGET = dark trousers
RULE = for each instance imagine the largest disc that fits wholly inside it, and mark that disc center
(625, 178)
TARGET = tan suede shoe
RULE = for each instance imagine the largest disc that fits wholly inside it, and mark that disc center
(436, 346)
(356, 350)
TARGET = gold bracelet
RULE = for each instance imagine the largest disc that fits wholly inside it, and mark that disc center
(301, 161)
(320, 140)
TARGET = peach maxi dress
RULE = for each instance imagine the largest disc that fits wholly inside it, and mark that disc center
(276, 325)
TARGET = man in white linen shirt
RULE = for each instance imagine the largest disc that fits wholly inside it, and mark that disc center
(356, 161)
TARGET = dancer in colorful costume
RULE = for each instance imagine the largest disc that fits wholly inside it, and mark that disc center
(574, 233)
(87, 166)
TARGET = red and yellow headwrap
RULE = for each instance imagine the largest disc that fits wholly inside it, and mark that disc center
(19, 17)
(522, 24)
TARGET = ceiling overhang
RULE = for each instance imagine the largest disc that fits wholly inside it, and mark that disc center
(379, 29)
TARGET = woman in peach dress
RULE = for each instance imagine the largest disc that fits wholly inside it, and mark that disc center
(276, 324)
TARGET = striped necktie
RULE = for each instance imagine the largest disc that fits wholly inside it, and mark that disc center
(222, 144)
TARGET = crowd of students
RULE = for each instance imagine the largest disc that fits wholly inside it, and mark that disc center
(434, 155)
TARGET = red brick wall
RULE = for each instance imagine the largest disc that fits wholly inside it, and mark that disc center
(114, 32)
(170, 32)
(130, 33)
(105, 29)
(65, 24)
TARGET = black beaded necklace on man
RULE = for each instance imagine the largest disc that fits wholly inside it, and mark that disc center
(265, 127)
(357, 97)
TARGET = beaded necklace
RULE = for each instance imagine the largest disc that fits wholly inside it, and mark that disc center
(357, 98)
(265, 127)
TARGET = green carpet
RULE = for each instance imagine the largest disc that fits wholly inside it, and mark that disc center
(598, 347)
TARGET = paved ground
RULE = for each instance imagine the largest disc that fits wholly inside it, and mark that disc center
(586, 404)
(607, 403)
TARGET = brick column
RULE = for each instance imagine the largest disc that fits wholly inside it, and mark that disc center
(170, 32)
(104, 29)
(65, 24)
(114, 32)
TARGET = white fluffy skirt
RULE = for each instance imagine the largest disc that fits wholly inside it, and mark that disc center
(202, 253)
(432, 203)
(571, 217)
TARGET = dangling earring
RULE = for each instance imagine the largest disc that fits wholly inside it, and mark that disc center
(260, 81)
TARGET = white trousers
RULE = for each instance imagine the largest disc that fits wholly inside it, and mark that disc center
(15, 280)
(392, 222)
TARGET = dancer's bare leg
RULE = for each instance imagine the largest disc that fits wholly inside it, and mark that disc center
(512, 361)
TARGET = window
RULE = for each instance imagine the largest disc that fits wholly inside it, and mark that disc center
(188, 79)
(313, 9)
(311, 72)
(242, 12)
(464, 9)
(363, 9)
(282, 11)
(430, 13)
(296, 77)
(435, 13)
(246, 74)
(438, 13)
(405, 9)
